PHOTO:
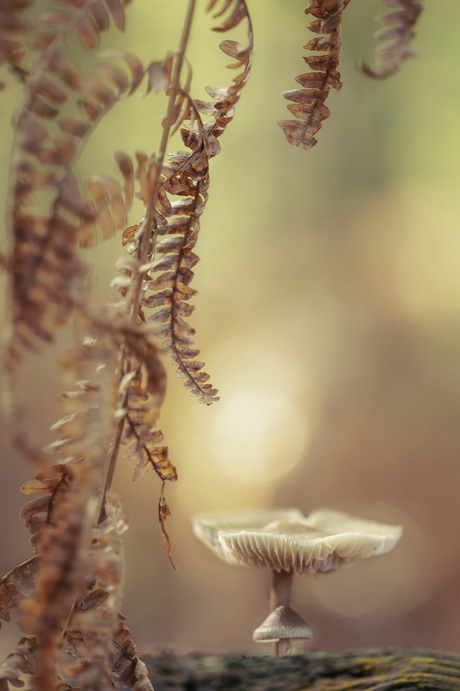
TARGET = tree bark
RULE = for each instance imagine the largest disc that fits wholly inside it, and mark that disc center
(356, 670)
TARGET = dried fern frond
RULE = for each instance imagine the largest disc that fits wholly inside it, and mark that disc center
(62, 574)
(69, 507)
(110, 203)
(47, 270)
(172, 272)
(222, 108)
(17, 584)
(128, 671)
(309, 102)
(21, 660)
(92, 626)
(131, 672)
(48, 275)
(85, 20)
(164, 241)
(141, 435)
(49, 484)
(395, 38)
(185, 175)
(178, 220)
(13, 30)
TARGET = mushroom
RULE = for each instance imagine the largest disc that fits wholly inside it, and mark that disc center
(287, 542)
(281, 626)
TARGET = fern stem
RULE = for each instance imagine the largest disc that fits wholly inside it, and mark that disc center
(111, 470)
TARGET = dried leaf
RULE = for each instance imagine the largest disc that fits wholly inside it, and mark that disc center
(163, 515)
(94, 599)
(50, 483)
(66, 513)
(159, 75)
(131, 672)
(129, 234)
(17, 584)
(21, 660)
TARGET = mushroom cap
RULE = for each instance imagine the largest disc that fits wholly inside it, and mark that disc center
(287, 540)
(283, 622)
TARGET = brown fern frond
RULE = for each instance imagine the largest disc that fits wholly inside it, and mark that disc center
(222, 108)
(141, 434)
(395, 38)
(49, 484)
(128, 671)
(46, 267)
(67, 512)
(92, 626)
(13, 31)
(62, 573)
(17, 584)
(172, 271)
(186, 176)
(85, 20)
(143, 391)
(309, 102)
(47, 271)
(110, 203)
(131, 671)
(21, 660)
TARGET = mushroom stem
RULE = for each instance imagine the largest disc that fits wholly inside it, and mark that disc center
(283, 646)
(280, 594)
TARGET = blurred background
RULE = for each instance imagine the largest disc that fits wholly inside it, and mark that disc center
(329, 318)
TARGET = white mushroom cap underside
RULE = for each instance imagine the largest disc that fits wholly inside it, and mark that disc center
(324, 541)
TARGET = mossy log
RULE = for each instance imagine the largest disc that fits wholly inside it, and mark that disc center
(355, 670)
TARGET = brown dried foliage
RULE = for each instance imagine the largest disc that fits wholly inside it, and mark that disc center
(13, 28)
(62, 571)
(16, 585)
(21, 660)
(309, 101)
(70, 590)
(395, 37)
(90, 631)
(49, 214)
(182, 195)
(62, 519)
(48, 484)
(142, 411)
(131, 672)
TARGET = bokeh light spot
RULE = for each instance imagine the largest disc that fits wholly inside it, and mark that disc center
(258, 435)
